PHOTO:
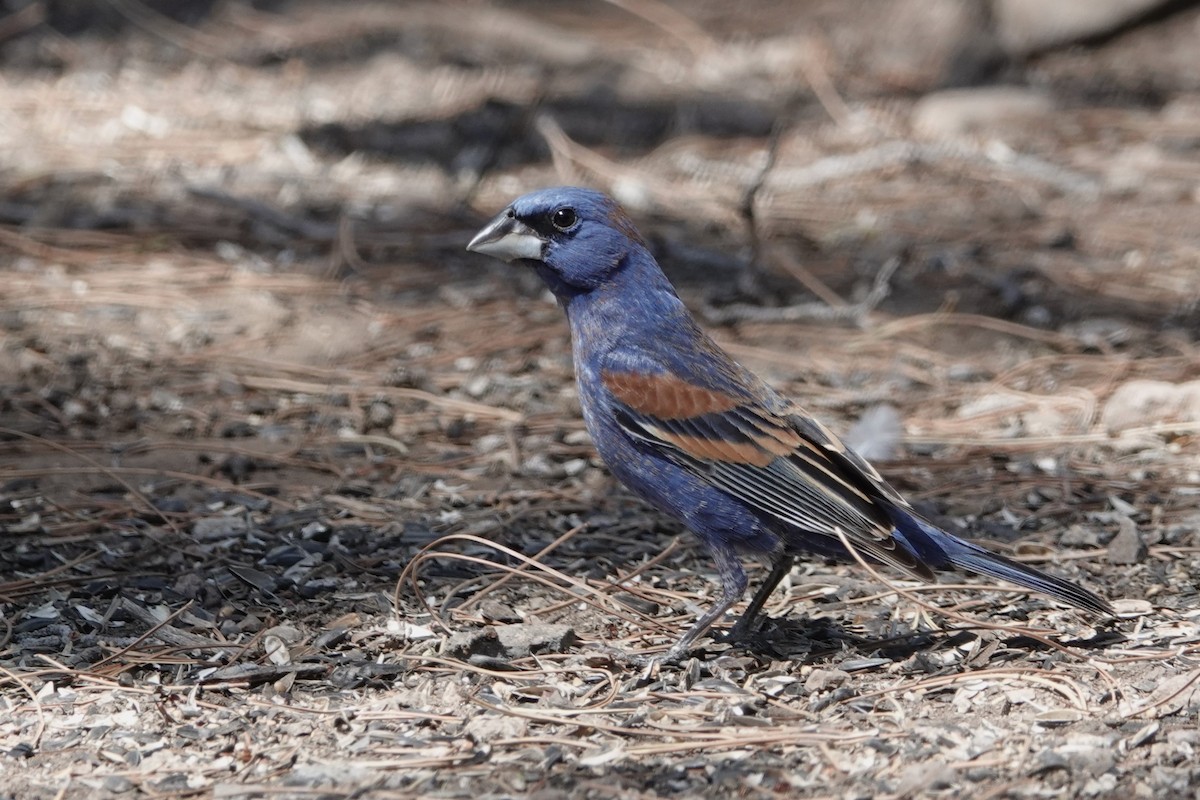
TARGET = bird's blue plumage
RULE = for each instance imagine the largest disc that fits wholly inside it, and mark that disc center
(701, 438)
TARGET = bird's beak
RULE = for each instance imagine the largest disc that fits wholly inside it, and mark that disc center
(507, 238)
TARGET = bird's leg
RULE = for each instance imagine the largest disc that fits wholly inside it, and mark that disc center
(782, 566)
(733, 586)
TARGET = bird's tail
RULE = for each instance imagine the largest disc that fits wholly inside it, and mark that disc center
(931, 542)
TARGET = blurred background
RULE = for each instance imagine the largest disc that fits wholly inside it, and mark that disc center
(248, 370)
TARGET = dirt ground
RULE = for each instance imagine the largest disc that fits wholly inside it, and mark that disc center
(296, 498)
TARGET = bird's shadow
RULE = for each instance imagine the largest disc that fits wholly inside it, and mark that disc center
(824, 640)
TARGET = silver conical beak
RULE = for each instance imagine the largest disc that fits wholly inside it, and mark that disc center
(507, 238)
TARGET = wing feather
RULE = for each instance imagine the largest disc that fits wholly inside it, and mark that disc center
(785, 465)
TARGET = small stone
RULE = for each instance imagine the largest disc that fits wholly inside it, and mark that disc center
(1050, 760)
(475, 641)
(511, 641)
(959, 112)
(378, 415)
(1141, 403)
(519, 641)
(24, 749)
(210, 528)
(478, 386)
(73, 409)
(490, 442)
(1144, 734)
(118, 784)
(1127, 546)
(921, 43)
(1031, 26)
(1089, 760)
(574, 466)
(1100, 786)
(576, 438)
(1079, 536)
(407, 377)
(821, 679)
(925, 777)
(495, 611)
(1054, 717)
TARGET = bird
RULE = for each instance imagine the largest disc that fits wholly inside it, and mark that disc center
(701, 438)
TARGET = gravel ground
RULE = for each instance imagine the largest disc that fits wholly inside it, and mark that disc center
(295, 496)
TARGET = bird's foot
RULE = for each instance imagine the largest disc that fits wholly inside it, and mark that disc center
(740, 632)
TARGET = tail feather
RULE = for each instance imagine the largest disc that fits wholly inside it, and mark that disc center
(930, 541)
(975, 559)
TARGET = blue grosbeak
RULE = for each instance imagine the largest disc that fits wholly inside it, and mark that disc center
(698, 436)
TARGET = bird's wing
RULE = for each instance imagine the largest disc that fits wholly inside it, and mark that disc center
(780, 462)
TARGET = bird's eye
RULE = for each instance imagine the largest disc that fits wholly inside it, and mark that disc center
(563, 218)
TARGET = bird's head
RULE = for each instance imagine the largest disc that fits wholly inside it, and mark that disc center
(575, 238)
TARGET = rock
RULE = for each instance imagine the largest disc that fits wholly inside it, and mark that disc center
(117, 784)
(821, 679)
(920, 44)
(1086, 757)
(378, 415)
(1139, 403)
(519, 641)
(1079, 536)
(1101, 786)
(1056, 717)
(1127, 546)
(1023, 27)
(960, 112)
(925, 777)
(486, 728)
(473, 641)
(510, 641)
(210, 528)
(495, 611)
